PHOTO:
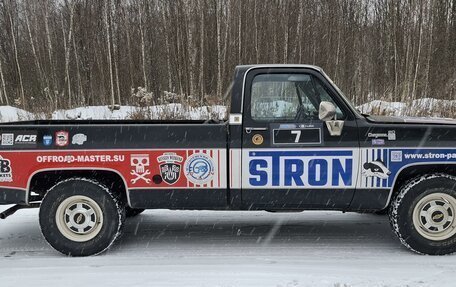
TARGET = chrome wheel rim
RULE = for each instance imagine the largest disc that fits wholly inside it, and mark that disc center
(79, 218)
(434, 216)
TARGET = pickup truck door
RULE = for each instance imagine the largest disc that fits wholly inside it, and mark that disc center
(289, 158)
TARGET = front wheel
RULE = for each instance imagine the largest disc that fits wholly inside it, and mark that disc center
(423, 214)
(80, 217)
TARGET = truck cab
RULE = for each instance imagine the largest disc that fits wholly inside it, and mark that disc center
(291, 155)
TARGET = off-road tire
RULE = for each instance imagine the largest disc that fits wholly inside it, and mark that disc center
(420, 209)
(81, 217)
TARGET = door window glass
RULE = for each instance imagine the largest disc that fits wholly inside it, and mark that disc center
(288, 97)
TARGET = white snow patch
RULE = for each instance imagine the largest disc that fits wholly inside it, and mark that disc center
(423, 107)
(167, 111)
(12, 114)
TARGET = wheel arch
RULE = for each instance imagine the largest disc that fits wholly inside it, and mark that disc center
(41, 180)
(411, 171)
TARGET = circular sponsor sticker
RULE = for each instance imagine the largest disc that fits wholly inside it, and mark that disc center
(257, 139)
(199, 168)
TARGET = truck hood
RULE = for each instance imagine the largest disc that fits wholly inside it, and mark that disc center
(410, 120)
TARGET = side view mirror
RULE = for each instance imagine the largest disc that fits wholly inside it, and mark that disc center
(327, 113)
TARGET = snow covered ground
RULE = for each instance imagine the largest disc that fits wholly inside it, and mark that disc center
(225, 248)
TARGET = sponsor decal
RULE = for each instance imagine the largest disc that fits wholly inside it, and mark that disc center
(257, 139)
(7, 139)
(47, 140)
(170, 167)
(199, 168)
(61, 138)
(6, 173)
(392, 135)
(297, 168)
(376, 168)
(79, 139)
(287, 126)
(378, 142)
(377, 135)
(80, 158)
(25, 139)
(140, 167)
(21, 138)
(396, 156)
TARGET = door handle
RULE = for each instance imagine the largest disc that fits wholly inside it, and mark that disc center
(250, 129)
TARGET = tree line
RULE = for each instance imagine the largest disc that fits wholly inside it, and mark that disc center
(67, 53)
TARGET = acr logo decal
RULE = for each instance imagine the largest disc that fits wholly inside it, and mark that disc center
(6, 173)
(19, 138)
(140, 167)
(375, 168)
(61, 138)
(170, 167)
(199, 168)
(25, 139)
(79, 139)
(299, 168)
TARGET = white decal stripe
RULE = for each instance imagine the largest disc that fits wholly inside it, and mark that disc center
(183, 167)
(223, 172)
(214, 181)
(235, 168)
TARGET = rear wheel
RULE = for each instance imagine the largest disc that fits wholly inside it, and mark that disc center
(81, 217)
(423, 214)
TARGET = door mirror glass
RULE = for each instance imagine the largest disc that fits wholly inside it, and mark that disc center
(327, 111)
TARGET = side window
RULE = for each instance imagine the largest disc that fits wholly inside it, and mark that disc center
(287, 98)
(273, 98)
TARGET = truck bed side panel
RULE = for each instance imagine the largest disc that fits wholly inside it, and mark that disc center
(166, 166)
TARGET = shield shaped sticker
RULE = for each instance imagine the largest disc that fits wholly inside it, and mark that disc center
(170, 172)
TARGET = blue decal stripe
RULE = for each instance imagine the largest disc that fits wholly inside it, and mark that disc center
(301, 153)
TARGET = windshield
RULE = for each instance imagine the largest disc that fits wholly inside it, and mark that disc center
(342, 95)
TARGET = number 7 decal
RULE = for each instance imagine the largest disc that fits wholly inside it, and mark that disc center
(298, 135)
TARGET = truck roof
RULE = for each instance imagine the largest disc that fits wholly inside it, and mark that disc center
(248, 67)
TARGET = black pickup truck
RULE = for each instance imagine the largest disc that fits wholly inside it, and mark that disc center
(292, 142)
